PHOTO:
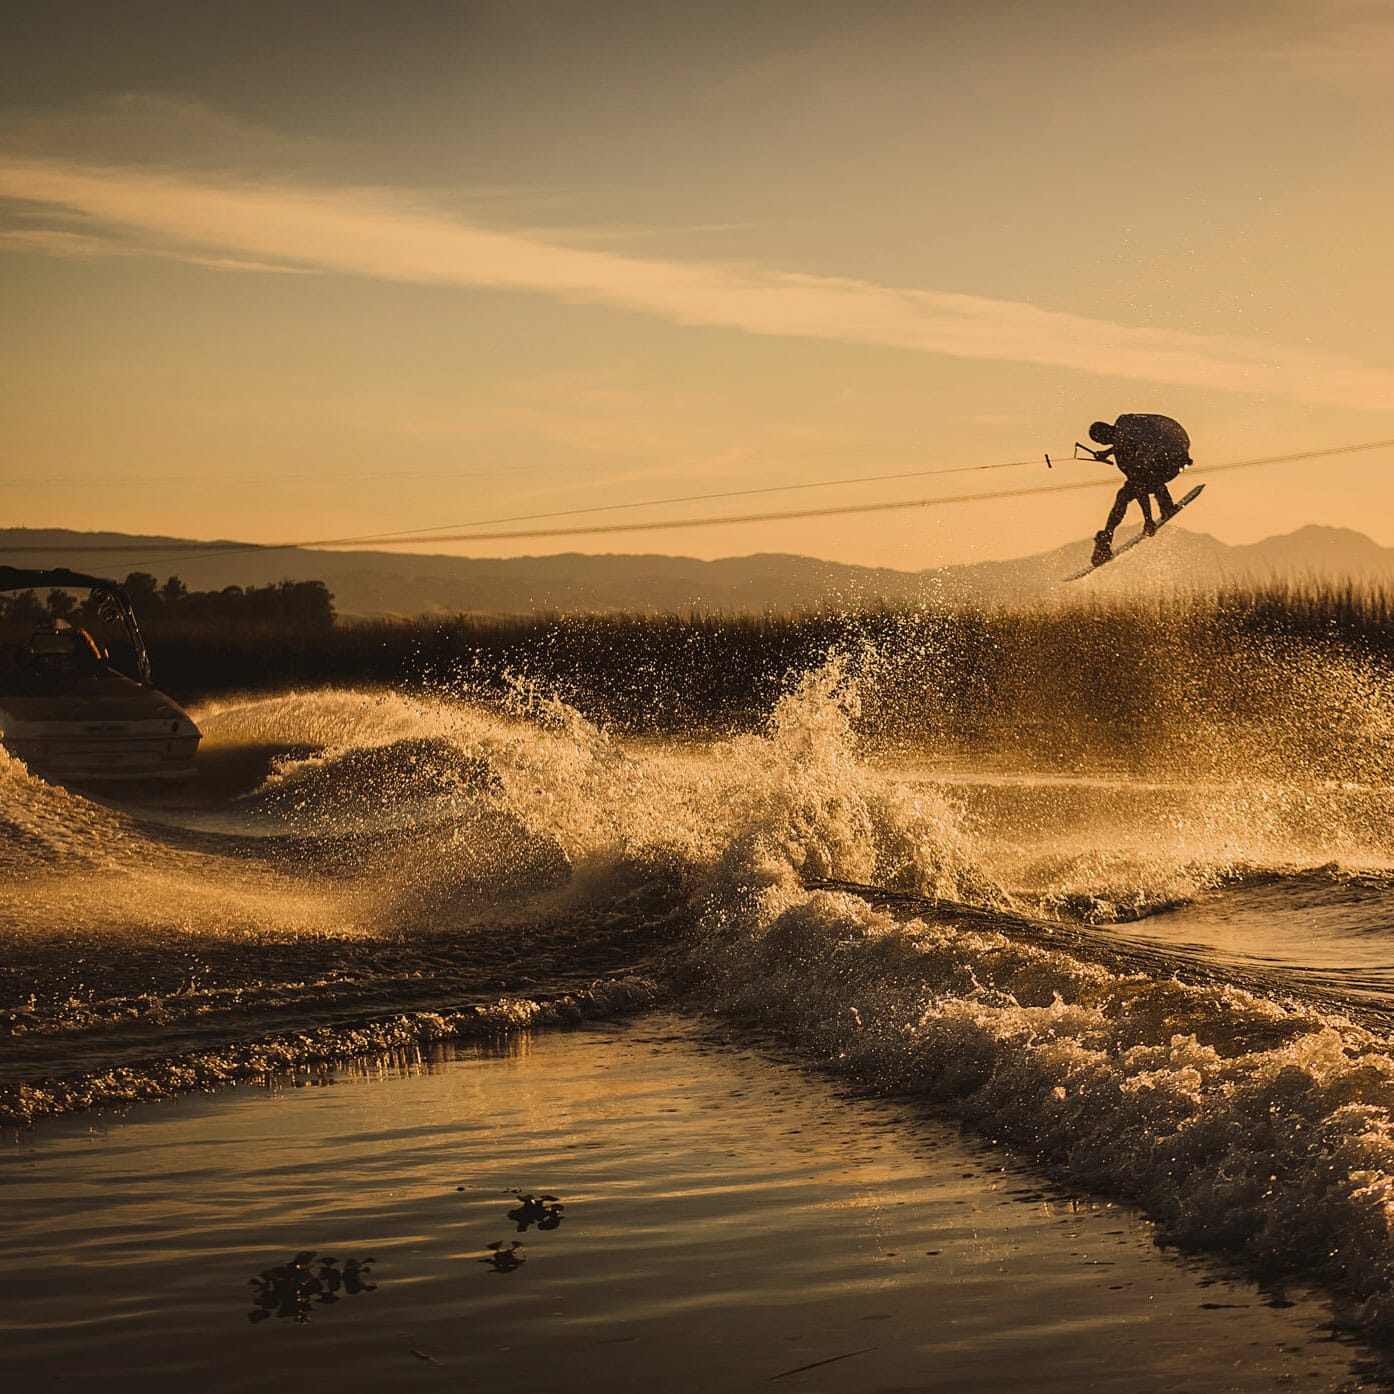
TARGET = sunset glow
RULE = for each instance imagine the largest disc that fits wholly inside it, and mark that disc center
(468, 262)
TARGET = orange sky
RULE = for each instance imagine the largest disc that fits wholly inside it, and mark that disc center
(443, 263)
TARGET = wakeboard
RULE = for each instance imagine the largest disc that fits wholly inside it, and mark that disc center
(1141, 537)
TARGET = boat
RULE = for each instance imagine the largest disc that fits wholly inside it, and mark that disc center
(68, 713)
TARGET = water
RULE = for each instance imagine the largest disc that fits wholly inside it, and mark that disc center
(719, 1221)
(1173, 994)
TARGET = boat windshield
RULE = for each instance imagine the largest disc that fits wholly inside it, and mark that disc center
(56, 659)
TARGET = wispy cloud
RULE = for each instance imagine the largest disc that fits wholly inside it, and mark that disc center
(82, 246)
(389, 235)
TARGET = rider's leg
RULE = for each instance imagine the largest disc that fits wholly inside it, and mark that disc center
(1120, 507)
(1165, 500)
(1145, 503)
(1103, 541)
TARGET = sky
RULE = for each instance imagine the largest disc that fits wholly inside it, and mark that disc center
(301, 271)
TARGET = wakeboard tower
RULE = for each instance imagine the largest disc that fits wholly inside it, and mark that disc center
(1141, 537)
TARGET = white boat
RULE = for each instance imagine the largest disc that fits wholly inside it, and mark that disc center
(69, 715)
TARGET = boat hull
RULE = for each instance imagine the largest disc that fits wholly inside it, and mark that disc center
(107, 729)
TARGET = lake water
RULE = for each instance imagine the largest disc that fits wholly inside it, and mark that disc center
(729, 1221)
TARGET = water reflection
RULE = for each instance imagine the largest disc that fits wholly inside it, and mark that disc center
(293, 1288)
(505, 1260)
(434, 1057)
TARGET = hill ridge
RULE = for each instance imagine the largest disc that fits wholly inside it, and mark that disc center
(376, 582)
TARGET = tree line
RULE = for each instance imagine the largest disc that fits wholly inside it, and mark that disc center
(295, 604)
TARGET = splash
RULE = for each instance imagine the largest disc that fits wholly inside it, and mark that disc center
(808, 805)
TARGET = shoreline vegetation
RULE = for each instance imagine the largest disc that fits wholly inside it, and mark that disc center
(1268, 679)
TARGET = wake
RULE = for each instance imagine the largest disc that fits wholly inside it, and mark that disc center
(392, 873)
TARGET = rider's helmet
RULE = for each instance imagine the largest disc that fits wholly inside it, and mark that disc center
(1101, 431)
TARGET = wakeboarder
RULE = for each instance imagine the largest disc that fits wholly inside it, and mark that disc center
(1151, 451)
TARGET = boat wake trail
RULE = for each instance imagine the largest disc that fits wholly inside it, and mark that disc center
(1176, 995)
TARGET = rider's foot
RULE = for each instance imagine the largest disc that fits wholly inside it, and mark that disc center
(1149, 528)
(1103, 549)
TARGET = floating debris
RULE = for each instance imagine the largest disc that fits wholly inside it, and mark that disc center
(291, 1289)
(542, 1211)
(818, 1364)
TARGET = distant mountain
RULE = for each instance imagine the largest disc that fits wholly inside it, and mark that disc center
(389, 583)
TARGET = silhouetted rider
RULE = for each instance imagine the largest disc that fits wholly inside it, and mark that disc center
(1151, 451)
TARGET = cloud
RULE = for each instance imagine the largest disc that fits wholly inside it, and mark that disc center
(388, 235)
(68, 245)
